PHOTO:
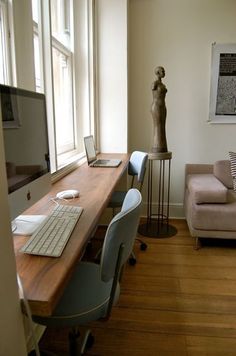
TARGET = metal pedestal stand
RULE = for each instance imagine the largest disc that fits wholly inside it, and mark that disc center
(157, 225)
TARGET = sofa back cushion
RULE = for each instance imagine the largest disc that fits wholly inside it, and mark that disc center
(221, 171)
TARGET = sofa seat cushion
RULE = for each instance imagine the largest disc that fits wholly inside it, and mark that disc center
(215, 216)
(206, 188)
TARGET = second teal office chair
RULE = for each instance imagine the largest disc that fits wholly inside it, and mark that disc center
(136, 169)
(93, 289)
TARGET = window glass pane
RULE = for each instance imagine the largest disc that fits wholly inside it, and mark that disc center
(35, 11)
(60, 21)
(38, 82)
(63, 103)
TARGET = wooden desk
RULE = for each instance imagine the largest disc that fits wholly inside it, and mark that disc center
(44, 278)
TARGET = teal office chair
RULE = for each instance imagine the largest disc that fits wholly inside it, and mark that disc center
(93, 289)
(136, 169)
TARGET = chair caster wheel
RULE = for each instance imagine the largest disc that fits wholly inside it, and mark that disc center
(143, 246)
(132, 261)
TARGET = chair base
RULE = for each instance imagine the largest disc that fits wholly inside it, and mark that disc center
(153, 230)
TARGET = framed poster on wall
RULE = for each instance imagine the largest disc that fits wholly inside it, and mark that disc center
(223, 84)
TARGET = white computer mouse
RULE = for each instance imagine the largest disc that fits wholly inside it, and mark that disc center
(68, 194)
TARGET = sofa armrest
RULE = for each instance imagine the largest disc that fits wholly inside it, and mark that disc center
(192, 168)
(197, 168)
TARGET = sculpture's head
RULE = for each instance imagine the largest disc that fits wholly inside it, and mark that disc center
(160, 72)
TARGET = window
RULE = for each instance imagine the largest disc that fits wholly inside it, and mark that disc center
(54, 58)
(5, 63)
(62, 63)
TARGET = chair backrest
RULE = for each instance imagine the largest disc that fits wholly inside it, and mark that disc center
(137, 166)
(122, 230)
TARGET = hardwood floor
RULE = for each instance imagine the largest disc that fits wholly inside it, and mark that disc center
(174, 301)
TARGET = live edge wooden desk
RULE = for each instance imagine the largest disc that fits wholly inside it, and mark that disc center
(44, 278)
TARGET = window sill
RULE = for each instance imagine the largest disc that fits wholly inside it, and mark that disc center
(63, 171)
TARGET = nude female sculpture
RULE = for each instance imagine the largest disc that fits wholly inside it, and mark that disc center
(158, 111)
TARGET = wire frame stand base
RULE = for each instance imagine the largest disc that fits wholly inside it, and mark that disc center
(157, 225)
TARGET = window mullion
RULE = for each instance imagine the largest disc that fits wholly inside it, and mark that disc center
(48, 84)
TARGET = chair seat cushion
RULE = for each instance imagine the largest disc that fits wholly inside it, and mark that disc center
(85, 298)
(206, 188)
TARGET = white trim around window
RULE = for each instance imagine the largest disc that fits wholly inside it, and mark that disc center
(5, 45)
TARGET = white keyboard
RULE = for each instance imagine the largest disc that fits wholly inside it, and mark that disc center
(52, 235)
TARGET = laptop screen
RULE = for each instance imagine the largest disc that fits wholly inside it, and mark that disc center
(90, 149)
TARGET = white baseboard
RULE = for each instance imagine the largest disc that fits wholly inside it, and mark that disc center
(176, 210)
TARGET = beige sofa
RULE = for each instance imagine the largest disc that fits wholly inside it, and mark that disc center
(210, 201)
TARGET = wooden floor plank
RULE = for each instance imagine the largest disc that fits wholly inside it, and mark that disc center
(210, 346)
(127, 343)
(185, 249)
(180, 271)
(173, 322)
(208, 287)
(193, 260)
(194, 303)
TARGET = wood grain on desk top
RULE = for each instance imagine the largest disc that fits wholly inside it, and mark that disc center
(44, 278)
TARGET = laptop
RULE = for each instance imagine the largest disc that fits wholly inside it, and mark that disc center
(92, 157)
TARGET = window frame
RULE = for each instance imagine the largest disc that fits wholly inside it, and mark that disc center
(6, 35)
(47, 41)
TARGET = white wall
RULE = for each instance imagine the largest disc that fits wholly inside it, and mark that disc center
(23, 43)
(178, 34)
(13, 334)
(12, 340)
(112, 74)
